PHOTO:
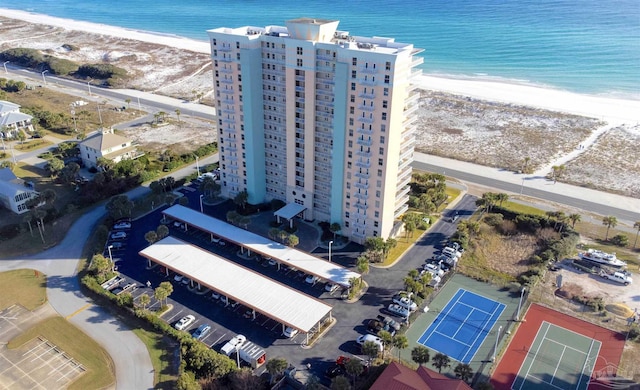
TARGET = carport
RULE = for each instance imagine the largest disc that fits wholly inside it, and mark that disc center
(273, 299)
(297, 259)
(289, 212)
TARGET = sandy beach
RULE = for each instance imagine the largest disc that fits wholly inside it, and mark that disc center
(502, 121)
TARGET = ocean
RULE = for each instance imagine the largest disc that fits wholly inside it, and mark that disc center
(583, 46)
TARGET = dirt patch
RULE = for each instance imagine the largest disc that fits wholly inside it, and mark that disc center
(183, 136)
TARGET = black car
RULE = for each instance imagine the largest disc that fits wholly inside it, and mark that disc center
(375, 326)
(334, 371)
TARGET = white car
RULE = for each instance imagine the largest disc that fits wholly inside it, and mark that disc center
(450, 252)
(433, 269)
(178, 278)
(369, 337)
(122, 225)
(185, 322)
(406, 303)
(311, 279)
(118, 236)
(331, 287)
(289, 332)
(398, 310)
(233, 344)
(618, 277)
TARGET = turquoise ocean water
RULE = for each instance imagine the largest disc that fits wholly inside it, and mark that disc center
(585, 46)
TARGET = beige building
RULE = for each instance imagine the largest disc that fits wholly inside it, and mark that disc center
(106, 144)
(317, 117)
(13, 121)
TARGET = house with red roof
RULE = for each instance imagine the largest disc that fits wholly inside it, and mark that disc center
(399, 377)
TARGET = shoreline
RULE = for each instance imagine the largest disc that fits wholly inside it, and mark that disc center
(610, 109)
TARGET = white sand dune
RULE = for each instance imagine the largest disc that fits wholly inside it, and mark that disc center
(612, 110)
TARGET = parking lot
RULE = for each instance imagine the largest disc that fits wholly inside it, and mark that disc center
(226, 321)
(37, 364)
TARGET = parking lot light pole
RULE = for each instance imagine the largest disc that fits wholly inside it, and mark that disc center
(201, 208)
(197, 164)
(238, 354)
(110, 256)
(495, 349)
(520, 303)
(330, 243)
(5, 67)
(89, 85)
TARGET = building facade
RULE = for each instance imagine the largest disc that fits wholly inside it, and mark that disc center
(12, 121)
(15, 192)
(311, 115)
(106, 144)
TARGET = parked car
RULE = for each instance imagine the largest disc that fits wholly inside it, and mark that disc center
(118, 235)
(433, 269)
(233, 344)
(178, 225)
(405, 303)
(201, 332)
(185, 322)
(271, 261)
(289, 332)
(369, 337)
(618, 277)
(334, 371)
(375, 326)
(450, 252)
(331, 287)
(186, 281)
(215, 295)
(122, 225)
(178, 278)
(393, 324)
(398, 310)
(117, 245)
(311, 279)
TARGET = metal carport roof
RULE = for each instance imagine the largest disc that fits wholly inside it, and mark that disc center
(265, 295)
(289, 211)
(300, 260)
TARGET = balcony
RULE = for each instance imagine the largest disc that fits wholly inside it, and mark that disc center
(364, 142)
(417, 61)
(360, 196)
(410, 110)
(366, 107)
(369, 70)
(364, 153)
(225, 49)
(412, 99)
(228, 101)
(365, 119)
(362, 186)
(363, 164)
(228, 111)
(401, 210)
(365, 131)
(367, 95)
(402, 193)
(325, 57)
(361, 175)
(226, 70)
(367, 81)
(404, 163)
(361, 206)
(225, 59)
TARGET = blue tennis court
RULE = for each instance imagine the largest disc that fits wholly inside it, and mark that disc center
(462, 326)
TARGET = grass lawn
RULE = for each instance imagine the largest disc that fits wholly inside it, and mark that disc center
(452, 194)
(523, 209)
(161, 356)
(75, 343)
(26, 287)
(31, 145)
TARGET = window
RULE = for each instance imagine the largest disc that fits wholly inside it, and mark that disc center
(377, 196)
(346, 214)
(386, 91)
(383, 128)
(381, 151)
(215, 42)
(377, 214)
(353, 74)
(380, 162)
(388, 66)
(237, 45)
(375, 224)
(353, 86)
(350, 144)
(299, 51)
(386, 79)
(238, 56)
(299, 62)
(384, 116)
(382, 139)
(350, 121)
(385, 104)
(349, 153)
(353, 98)
(379, 173)
(351, 110)
(354, 61)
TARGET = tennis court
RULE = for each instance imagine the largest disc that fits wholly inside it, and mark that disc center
(558, 359)
(462, 326)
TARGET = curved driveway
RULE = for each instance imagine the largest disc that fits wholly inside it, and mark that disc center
(132, 362)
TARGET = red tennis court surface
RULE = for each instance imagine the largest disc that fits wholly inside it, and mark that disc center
(517, 350)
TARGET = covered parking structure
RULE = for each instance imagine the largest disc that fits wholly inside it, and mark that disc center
(259, 293)
(305, 262)
(289, 212)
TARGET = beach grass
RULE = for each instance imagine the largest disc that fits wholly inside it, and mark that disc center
(26, 287)
(99, 367)
(523, 208)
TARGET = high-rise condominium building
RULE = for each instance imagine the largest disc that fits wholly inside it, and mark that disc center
(317, 117)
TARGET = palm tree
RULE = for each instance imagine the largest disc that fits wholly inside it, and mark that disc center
(353, 367)
(362, 264)
(293, 240)
(275, 367)
(502, 197)
(610, 222)
(637, 226)
(144, 300)
(370, 349)
(463, 371)
(526, 164)
(178, 114)
(401, 342)
(420, 354)
(440, 361)
(574, 218)
(387, 340)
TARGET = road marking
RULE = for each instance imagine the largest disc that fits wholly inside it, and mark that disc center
(218, 340)
(83, 308)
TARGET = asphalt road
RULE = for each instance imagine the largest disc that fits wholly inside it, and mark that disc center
(533, 192)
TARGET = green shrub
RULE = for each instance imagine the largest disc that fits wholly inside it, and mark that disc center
(70, 47)
(620, 240)
(101, 71)
(634, 332)
(59, 66)
(493, 219)
(29, 58)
